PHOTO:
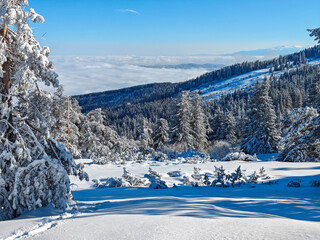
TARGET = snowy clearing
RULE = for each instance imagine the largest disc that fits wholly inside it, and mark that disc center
(259, 211)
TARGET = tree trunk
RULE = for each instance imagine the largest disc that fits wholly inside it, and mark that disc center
(6, 82)
(5, 68)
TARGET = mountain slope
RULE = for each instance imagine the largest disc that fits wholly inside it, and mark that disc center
(211, 84)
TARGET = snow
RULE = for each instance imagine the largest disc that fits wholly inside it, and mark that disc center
(250, 211)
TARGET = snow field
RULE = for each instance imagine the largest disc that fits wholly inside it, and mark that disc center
(247, 212)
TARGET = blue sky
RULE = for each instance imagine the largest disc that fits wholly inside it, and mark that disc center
(173, 27)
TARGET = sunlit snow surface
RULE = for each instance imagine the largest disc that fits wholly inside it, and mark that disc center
(246, 212)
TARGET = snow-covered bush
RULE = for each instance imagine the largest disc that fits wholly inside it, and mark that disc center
(96, 183)
(262, 176)
(206, 180)
(155, 179)
(127, 180)
(160, 157)
(222, 178)
(187, 181)
(195, 180)
(239, 156)
(220, 149)
(100, 161)
(175, 173)
(315, 183)
(198, 179)
(238, 177)
(131, 179)
(294, 183)
(254, 178)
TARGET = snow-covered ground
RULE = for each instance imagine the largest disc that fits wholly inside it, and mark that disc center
(247, 212)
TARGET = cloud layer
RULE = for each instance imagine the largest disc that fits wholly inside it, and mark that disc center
(81, 75)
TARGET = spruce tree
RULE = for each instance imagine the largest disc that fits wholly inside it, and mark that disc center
(262, 131)
(315, 33)
(230, 127)
(198, 123)
(160, 135)
(183, 135)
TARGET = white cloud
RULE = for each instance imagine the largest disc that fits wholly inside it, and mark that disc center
(129, 10)
(95, 74)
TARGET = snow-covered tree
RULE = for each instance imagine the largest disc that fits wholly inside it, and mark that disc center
(230, 127)
(97, 140)
(155, 179)
(222, 178)
(262, 131)
(217, 125)
(315, 33)
(302, 142)
(34, 167)
(183, 132)
(145, 136)
(238, 177)
(198, 123)
(66, 118)
(160, 135)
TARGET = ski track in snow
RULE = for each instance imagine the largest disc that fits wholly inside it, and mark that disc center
(46, 224)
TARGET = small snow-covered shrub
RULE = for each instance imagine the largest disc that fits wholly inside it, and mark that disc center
(239, 156)
(263, 174)
(222, 178)
(206, 180)
(294, 183)
(315, 183)
(198, 179)
(220, 149)
(155, 179)
(186, 181)
(260, 177)
(175, 174)
(127, 180)
(131, 179)
(160, 156)
(238, 177)
(254, 178)
(96, 183)
(114, 183)
(100, 161)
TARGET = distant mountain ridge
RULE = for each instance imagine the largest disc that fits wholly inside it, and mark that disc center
(161, 91)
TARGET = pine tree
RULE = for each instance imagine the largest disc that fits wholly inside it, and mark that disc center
(262, 131)
(198, 124)
(160, 135)
(34, 167)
